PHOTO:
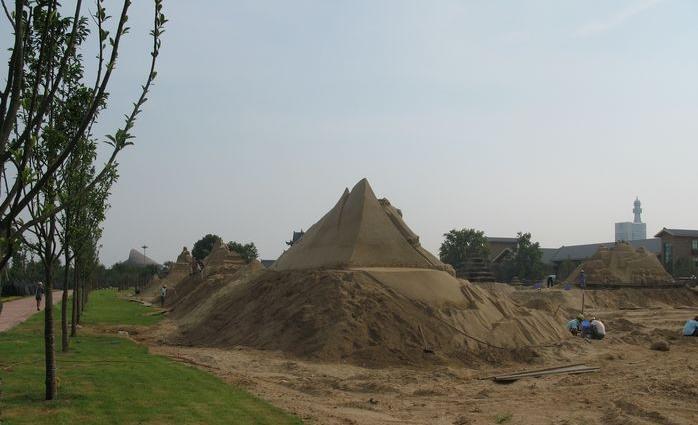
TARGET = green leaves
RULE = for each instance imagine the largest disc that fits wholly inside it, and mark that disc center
(461, 245)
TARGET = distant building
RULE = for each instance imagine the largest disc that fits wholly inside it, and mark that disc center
(295, 238)
(579, 253)
(632, 231)
(500, 248)
(679, 251)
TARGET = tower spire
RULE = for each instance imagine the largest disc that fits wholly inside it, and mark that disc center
(637, 210)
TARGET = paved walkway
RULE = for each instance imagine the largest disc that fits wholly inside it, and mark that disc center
(17, 311)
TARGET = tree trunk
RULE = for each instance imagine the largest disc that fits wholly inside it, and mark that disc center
(49, 338)
(76, 298)
(83, 296)
(65, 343)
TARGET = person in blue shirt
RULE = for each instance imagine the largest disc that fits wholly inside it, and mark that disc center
(575, 324)
(585, 328)
(691, 327)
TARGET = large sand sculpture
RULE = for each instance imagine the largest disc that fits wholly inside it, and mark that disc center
(360, 231)
(358, 287)
(622, 264)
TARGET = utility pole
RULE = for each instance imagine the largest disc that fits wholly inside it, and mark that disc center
(144, 262)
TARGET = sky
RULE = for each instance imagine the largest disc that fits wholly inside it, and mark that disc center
(545, 117)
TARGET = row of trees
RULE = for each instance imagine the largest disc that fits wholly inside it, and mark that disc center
(53, 190)
(525, 262)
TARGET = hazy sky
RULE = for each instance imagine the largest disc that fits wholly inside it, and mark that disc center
(539, 116)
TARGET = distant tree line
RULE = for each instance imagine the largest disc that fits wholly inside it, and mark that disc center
(525, 262)
(203, 247)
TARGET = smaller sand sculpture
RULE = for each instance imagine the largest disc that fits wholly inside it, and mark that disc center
(183, 264)
(622, 264)
(222, 260)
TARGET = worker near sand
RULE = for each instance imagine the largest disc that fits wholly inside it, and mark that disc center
(597, 330)
(582, 279)
(574, 325)
(691, 327)
(38, 294)
(163, 294)
(585, 328)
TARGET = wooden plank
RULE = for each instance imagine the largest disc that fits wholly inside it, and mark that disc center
(535, 370)
(568, 370)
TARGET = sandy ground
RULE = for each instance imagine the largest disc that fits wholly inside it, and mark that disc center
(17, 311)
(636, 385)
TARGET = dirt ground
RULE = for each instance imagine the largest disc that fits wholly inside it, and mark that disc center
(636, 385)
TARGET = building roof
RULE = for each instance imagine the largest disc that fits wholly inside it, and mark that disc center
(678, 232)
(548, 254)
(582, 252)
(501, 240)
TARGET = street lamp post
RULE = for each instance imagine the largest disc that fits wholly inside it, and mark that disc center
(144, 257)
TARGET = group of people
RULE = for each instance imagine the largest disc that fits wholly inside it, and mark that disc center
(595, 329)
(591, 328)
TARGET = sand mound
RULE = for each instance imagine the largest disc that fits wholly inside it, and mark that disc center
(362, 317)
(195, 295)
(360, 231)
(622, 264)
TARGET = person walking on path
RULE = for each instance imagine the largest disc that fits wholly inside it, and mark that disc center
(38, 295)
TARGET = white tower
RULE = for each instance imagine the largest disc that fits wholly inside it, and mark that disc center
(635, 230)
(637, 211)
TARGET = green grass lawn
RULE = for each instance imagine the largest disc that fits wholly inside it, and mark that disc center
(111, 380)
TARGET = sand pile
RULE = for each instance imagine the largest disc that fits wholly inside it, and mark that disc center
(622, 264)
(358, 287)
(196, 294)
(349, 315)
(222, 260)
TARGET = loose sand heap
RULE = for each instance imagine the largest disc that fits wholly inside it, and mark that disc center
(358, 287)
(622, 264)
(222, 260)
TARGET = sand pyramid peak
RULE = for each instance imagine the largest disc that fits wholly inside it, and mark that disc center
(358, 232)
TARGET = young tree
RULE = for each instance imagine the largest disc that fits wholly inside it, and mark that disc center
(203, 246)
(526, 263)
(45, 45)
(81, 225)
(462, 245)
(247, 251)
(46, 111)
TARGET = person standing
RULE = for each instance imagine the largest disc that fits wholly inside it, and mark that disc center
(163, 294)
(38, 295)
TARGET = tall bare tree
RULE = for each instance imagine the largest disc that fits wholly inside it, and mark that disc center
(44, 46)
